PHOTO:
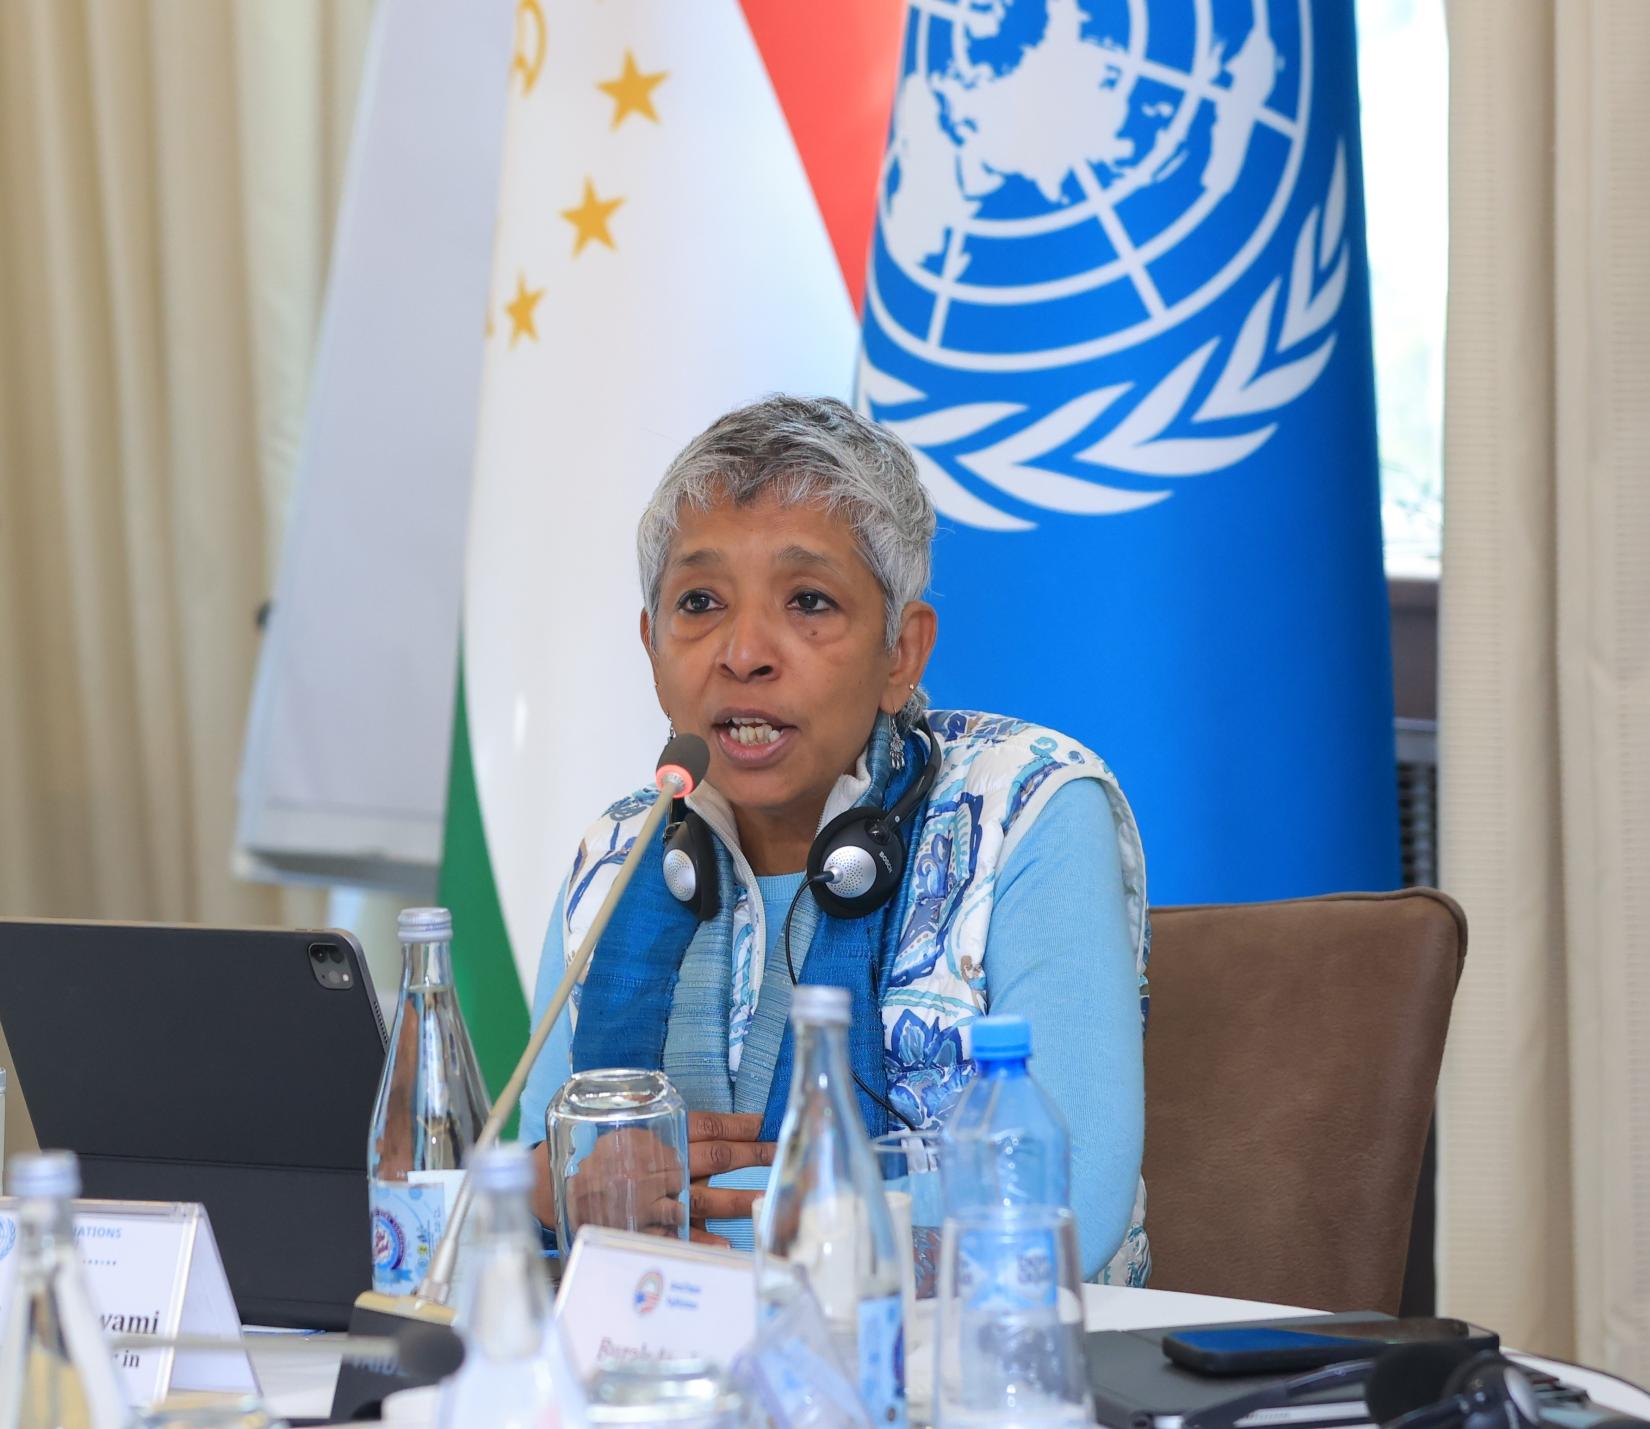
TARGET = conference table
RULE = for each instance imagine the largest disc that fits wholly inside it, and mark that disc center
(303, 1388)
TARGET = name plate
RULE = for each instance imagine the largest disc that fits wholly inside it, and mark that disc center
(625, 1296)
(153, 1269)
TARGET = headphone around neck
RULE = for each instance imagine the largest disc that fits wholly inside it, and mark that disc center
(855, 864)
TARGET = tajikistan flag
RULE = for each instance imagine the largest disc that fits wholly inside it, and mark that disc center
(685, 213)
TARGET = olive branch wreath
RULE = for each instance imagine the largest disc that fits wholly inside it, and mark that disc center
(1138, 444)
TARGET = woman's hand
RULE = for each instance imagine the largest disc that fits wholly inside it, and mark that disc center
(632, 1175)
(717, 1143)
(629, 1178)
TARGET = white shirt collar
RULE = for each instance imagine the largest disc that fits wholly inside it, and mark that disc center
(712, 806)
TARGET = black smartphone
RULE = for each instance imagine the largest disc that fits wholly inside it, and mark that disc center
(1294, 1346)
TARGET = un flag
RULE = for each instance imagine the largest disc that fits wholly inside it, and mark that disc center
(1118, 305)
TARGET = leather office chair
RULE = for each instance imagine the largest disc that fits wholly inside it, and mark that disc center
(1292, 1057)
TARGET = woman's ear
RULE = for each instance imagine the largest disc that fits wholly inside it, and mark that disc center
(918, 627)
(652, 654)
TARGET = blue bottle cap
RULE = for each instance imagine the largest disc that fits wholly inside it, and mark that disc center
(1001, 1039)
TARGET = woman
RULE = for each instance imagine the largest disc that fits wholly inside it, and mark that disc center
(783, 561)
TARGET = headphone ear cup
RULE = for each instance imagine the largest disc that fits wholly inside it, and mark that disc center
(1494, 1394)
(864, 856)
(1409, 1378)
(690, 866)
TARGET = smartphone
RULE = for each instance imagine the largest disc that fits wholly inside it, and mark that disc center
(1293, 1346)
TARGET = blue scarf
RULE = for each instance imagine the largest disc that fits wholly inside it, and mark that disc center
(634, 983)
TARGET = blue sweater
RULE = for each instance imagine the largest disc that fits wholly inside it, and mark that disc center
(1058, 953)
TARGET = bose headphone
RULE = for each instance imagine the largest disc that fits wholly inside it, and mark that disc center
(854, 866)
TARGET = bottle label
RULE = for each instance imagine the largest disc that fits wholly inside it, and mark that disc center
(882, 1360)
(408, 1218)
(1007, 1270)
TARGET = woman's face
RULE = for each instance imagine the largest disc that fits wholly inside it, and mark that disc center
(771, 646)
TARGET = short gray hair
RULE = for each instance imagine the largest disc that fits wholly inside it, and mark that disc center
(805, 451)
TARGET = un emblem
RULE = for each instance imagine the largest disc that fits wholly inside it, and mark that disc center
(1067, 183)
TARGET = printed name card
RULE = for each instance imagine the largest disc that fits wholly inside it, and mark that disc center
(625, 1296)
(153, 1269)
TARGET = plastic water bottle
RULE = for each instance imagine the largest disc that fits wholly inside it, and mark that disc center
(825, 1214)
(55, 1365)
(516, 1374)
(1009, 1347)
(1005, 1142)
(431, 1106)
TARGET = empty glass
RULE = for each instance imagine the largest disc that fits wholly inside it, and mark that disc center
(910, 1162)
(1010, 1309)
(910, 1166)
(618, 1146)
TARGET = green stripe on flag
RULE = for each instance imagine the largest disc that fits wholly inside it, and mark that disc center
(489, 988)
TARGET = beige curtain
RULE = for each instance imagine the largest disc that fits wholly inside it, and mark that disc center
(1545, 676)
(169, 172)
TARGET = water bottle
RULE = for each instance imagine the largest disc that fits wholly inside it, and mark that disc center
(55, 1365)
(825, 1214)
(1009, 1348)
(1005, 1142)
(516, 1374)
(431, 1106)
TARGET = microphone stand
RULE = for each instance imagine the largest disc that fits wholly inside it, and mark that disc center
(437, 1283)
(681, 766)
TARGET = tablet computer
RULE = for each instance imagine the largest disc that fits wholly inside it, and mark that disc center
(236, 1067)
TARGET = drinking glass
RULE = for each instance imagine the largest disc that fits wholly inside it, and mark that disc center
(910, 1166)
(910, 1162)
(618, 1144)
(1009, 1347)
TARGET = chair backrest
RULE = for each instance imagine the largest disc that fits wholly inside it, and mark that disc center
(1291, 1062)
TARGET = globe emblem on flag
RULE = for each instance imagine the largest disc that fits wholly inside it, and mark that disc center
(1069, 180)
(1049, 160)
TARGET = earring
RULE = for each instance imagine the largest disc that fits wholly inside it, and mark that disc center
(672, 724)
(896, 747)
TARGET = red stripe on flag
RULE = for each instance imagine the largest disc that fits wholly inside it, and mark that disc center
(834, 67)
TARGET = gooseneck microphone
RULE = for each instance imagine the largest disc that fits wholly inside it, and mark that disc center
(424, 1351)
(682, 764)
(378, 1322)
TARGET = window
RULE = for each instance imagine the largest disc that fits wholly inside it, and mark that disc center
(1403, 76)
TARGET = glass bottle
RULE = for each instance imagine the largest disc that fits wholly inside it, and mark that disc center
(825, 1213)
(431, 1106)
(516, 1374)
(56, 1369)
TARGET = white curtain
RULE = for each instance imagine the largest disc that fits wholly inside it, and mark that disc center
(168, 177)
(1545, 676)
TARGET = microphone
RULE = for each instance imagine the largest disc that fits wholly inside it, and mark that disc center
(686, 758)
(429, 1352)
(681, 766)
